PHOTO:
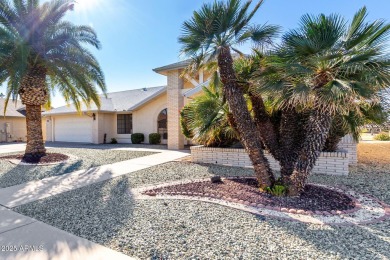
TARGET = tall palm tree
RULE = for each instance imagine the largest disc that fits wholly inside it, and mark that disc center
(41, 53)
(211, 34)
(326, 68)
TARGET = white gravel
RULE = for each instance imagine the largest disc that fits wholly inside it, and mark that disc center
(11, 174)
(170, 229)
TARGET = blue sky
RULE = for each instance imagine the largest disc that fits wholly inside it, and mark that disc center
(138, 36)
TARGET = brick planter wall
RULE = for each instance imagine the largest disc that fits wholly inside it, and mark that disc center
(336, 163)
(349, 145)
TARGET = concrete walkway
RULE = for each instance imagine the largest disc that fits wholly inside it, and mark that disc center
(18, 231)
(35, 190)
(22, 238)
(12, 147)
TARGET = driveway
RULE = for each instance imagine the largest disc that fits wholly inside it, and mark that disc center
(12, 147)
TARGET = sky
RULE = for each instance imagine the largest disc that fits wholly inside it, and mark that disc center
(138, 36)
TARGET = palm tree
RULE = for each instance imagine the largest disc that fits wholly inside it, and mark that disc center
(205, 119)
(41, 53)
(353, 123)
(211, 34)
(323, 69)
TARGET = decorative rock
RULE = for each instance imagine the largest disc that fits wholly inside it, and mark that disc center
(247, 203)
(301, 211)
(260, 205)
(294, 211)
(253, 204)
(284, 209)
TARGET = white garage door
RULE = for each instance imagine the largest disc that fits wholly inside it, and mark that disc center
(73, 129)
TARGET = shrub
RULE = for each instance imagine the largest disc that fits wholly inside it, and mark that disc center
(277, 190)
(137, 138)
(154, 138)
(382, 137)
(114, 141)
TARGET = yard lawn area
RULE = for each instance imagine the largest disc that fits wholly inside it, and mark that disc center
(174, 229)
(11, 174)
(374, 153)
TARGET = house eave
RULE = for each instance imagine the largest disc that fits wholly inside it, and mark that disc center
(196, 90)
(175, 66)
(147, 100)
(75, 112)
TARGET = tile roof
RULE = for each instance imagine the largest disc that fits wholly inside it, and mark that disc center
(117, 101)
(14, 108)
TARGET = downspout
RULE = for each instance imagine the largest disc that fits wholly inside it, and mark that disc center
(52, 129)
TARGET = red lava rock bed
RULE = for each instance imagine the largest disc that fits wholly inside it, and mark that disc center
(48, 158)
(245, 190)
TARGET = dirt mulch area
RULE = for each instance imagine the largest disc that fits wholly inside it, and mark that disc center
(314, 198)
(48, 158)
(374, 153)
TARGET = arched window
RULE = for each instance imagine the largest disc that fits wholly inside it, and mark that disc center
(162, 124)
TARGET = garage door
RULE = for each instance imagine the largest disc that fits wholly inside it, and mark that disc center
(73, 129)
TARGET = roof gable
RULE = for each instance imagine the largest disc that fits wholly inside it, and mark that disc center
(14, 108)
(116, 101)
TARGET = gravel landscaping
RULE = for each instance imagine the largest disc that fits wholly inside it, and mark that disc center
(11, 174)
(174, 229)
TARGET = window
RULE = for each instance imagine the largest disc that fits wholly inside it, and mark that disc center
(162, 122)
(125, 124)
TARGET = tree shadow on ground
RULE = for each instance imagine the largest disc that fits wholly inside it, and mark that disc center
(348, 242)
(95, 212)
(19, 174)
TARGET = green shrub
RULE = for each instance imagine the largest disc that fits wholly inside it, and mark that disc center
(137, 138)
(382, 137)
(114, 141)
(277, 190)
(154, 138)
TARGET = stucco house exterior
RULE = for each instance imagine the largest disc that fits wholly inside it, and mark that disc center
(13, 122)
(146, 110)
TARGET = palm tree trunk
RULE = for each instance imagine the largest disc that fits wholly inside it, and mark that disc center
(332, 142)
(244, 123)
(316, 133)
(267, 131)
(34, 94)
(292, 132)
(35, 145)
(336, 133)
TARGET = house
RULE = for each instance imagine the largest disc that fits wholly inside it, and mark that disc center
(13, 122)
(146, 110)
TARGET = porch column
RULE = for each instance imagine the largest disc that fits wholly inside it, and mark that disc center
(175, 102)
